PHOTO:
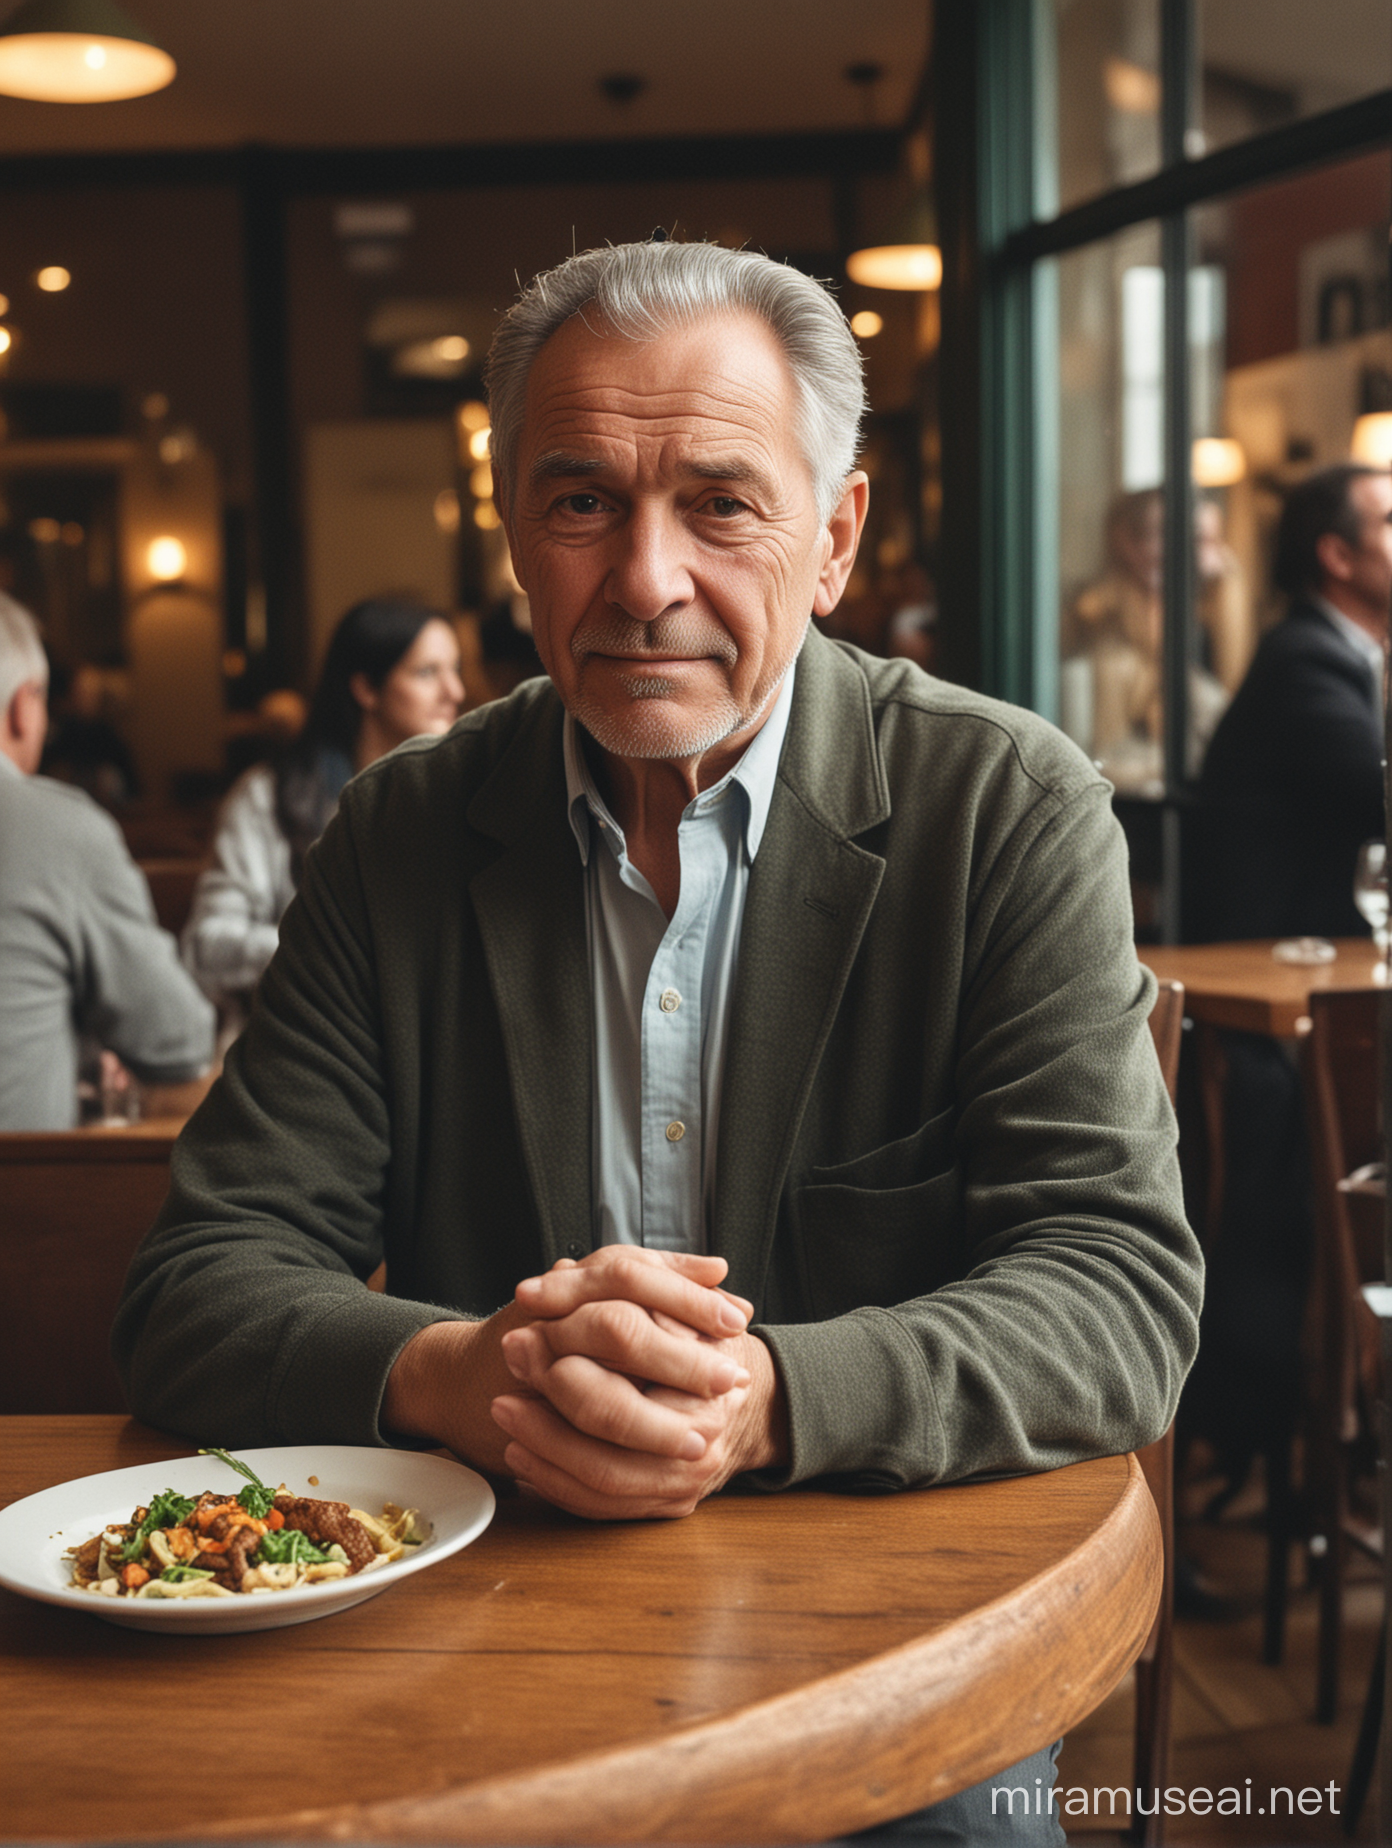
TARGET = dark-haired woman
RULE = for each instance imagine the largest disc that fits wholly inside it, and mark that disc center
(391, 673)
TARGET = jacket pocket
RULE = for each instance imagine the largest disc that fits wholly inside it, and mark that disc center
(877, 1230)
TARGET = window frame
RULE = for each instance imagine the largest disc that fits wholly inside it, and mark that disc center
(1015, 573)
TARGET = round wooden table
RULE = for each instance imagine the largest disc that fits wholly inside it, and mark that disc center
(775, 1668)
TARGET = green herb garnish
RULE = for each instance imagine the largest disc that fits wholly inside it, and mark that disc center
(182, 1575)
(290, 1547)
(166, 1510)
(256, 1498)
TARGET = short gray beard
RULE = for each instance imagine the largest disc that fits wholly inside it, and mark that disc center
(643, 733)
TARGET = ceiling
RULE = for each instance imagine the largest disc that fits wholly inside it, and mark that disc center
(310, 73)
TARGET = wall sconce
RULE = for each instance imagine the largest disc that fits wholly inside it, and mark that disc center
(1372, 439)
(1217, 462)
(79, 51)
(166, 559)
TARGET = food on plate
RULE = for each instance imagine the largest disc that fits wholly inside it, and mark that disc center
(221, 1546)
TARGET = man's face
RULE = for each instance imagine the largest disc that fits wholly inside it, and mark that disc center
(663, 525)
(1365, 571)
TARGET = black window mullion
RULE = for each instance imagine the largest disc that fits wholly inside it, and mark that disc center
(1178, 65)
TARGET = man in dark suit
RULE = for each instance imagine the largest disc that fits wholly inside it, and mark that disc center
(1292, 785)
(1293, 779)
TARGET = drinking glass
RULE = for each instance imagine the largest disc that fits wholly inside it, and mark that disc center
(1370, 891)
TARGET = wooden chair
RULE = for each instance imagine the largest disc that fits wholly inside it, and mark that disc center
(171, 884)
(1155, 1664)
(1341, 1070)
(73, 1208)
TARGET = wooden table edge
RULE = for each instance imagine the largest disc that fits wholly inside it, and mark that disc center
(728, 1779)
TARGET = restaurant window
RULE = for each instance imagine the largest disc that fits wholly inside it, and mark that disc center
(1110, 501)
(1184, 208)
(1103, 104)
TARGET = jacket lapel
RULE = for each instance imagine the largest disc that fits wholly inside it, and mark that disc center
(810, 895)
(530, 906)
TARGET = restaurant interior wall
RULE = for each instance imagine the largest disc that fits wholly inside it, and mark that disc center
(225, 299)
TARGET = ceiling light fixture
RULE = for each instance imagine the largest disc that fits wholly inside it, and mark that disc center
(79, 51)
(907, 255)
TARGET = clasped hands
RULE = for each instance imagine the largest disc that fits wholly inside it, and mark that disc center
(622, 1387)
(638, 1384)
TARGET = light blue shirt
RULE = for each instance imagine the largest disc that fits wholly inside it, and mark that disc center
(661, 994)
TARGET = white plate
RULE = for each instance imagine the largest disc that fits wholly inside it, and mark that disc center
(35, 1533)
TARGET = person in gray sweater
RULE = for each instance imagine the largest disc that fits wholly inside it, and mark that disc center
(80, 950)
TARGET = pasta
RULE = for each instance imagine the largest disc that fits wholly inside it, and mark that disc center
(219, 1546)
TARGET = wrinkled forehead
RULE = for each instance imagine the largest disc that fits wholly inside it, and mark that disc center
(715, 378)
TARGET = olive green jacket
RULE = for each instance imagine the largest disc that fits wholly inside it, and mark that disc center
(947, 1176)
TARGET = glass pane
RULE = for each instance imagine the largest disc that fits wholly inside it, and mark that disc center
(1100, 98)
(1110, 510)
(1291, 347)
(1265, 62)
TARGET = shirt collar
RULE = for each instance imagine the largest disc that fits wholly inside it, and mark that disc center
(1370, 649)
(756, 773)
(8, 763)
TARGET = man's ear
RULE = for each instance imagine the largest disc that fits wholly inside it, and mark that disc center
(1335, 556)
(843, 530)
(24, 725)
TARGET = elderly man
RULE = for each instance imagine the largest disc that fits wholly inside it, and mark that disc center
(80, 950)
(756, 1023)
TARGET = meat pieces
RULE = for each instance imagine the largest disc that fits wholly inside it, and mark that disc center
(329, 1523)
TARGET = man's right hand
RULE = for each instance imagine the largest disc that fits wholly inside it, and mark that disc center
(622, 1319)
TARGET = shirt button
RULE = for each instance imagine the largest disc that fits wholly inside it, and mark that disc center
(575, 1249)
(675, 1131)
(669, 1001)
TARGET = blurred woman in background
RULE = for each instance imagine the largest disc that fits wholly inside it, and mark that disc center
(391, 673)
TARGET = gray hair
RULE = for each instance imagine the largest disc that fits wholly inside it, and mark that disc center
(22, 656)
(644, 290)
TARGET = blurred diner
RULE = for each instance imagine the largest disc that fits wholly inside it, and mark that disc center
(391, 672)
(80, 950)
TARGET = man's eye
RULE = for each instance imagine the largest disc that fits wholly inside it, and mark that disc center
(582, 504)
(725, 506)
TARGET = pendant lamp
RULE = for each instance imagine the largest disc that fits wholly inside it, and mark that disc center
(908, 255)
(79, 51)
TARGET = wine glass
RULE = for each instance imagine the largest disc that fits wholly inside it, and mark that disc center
(1370, 892)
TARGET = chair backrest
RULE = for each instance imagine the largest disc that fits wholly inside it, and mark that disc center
(73, 1208)
(1341, 1059)
(1167, 1031)
(171, 884)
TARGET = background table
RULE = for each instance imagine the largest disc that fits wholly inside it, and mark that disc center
(1241, 985)
(771, 1669)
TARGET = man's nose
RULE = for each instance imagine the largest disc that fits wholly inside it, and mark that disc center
(650, 572)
